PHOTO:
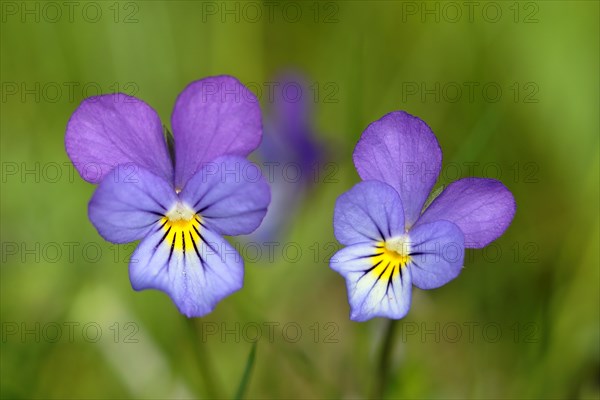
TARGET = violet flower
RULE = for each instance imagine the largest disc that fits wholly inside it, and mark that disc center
(290, 153)
(289, 135)
(392, 243)
(179, 209)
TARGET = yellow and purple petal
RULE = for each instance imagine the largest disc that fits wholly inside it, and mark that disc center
(196, 267)
(378, 281)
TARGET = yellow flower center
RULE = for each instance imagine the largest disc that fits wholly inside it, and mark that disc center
(182, 228)
(392, 255)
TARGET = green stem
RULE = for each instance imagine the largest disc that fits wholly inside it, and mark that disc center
(385, 360)
(202, 358)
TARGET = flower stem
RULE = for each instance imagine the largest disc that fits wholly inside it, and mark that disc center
(202, 358)
(385, 360)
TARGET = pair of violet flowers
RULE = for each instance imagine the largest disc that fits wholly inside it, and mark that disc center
(180, 199)
(179, 206)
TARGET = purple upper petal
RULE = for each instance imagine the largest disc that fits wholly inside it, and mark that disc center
(481, 208)
(402, 151)
(128, 202)
(230, 194)
(213, 117)
(108, 130)
(437, 253)
(369, 212)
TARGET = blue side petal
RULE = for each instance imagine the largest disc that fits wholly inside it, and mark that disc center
(370, 211)
(196, 271)
(128, 202)
(230, 194)
(437, 254)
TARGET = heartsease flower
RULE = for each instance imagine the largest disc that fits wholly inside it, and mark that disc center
(178, 208)
(289, 152)
(289, 134)
(392, 243)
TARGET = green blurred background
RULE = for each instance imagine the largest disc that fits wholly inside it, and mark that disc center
(521, 321)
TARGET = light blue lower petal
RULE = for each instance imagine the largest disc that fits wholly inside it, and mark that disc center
(377, 286)
(196, 271)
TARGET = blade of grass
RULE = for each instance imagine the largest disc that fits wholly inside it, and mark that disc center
(247, 372)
